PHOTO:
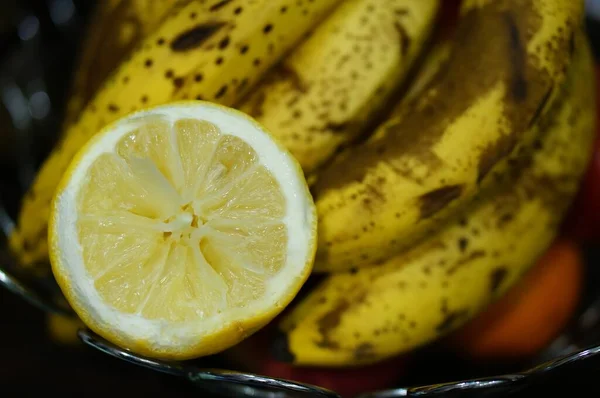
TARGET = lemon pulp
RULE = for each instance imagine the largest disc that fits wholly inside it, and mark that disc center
(180, 222)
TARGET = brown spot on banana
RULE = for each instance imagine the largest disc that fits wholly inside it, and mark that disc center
(218, 5)
(463, 243)
(465, 261)
(572, 44)
(335, 127)
(497, 277)
(196, 36)
(404, 38)
(519, 86)
(505, 218)
(377, 195)
(178, 82)
(450, 320)
(364, 352)
(330, 321)
(431, 202)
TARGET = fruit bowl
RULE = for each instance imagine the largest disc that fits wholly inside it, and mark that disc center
(38, 43)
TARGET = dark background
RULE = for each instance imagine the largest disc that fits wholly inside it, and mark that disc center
(38, 43)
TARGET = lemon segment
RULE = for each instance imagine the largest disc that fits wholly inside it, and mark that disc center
(177, 223)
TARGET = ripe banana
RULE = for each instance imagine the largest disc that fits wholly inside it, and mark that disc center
(325, 92)
(216, 56)
(373, 313)
(63, 330)
(116, 27)
(422, 166)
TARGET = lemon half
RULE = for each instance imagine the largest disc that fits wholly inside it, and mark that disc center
(180, 230)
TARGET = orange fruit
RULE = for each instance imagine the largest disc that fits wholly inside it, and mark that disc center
(532, 313)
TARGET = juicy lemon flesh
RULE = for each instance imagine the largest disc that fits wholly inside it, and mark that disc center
(180, 222)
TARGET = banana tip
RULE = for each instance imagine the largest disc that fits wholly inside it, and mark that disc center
(280, 348)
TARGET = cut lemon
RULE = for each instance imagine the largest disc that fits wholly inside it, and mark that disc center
(178, 231)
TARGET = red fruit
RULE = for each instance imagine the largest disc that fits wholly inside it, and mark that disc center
(252, 355)
(347, 382)
(583, 221)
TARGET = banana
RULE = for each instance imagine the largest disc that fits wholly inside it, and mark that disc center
(360, 317)
(62, 330)
(216, 56)
(432, 157)
(325, 92)
(116, 27)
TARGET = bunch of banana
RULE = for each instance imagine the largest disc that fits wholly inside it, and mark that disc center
(115, 28)
(429, 161)
(214, 50)
(372, 313)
